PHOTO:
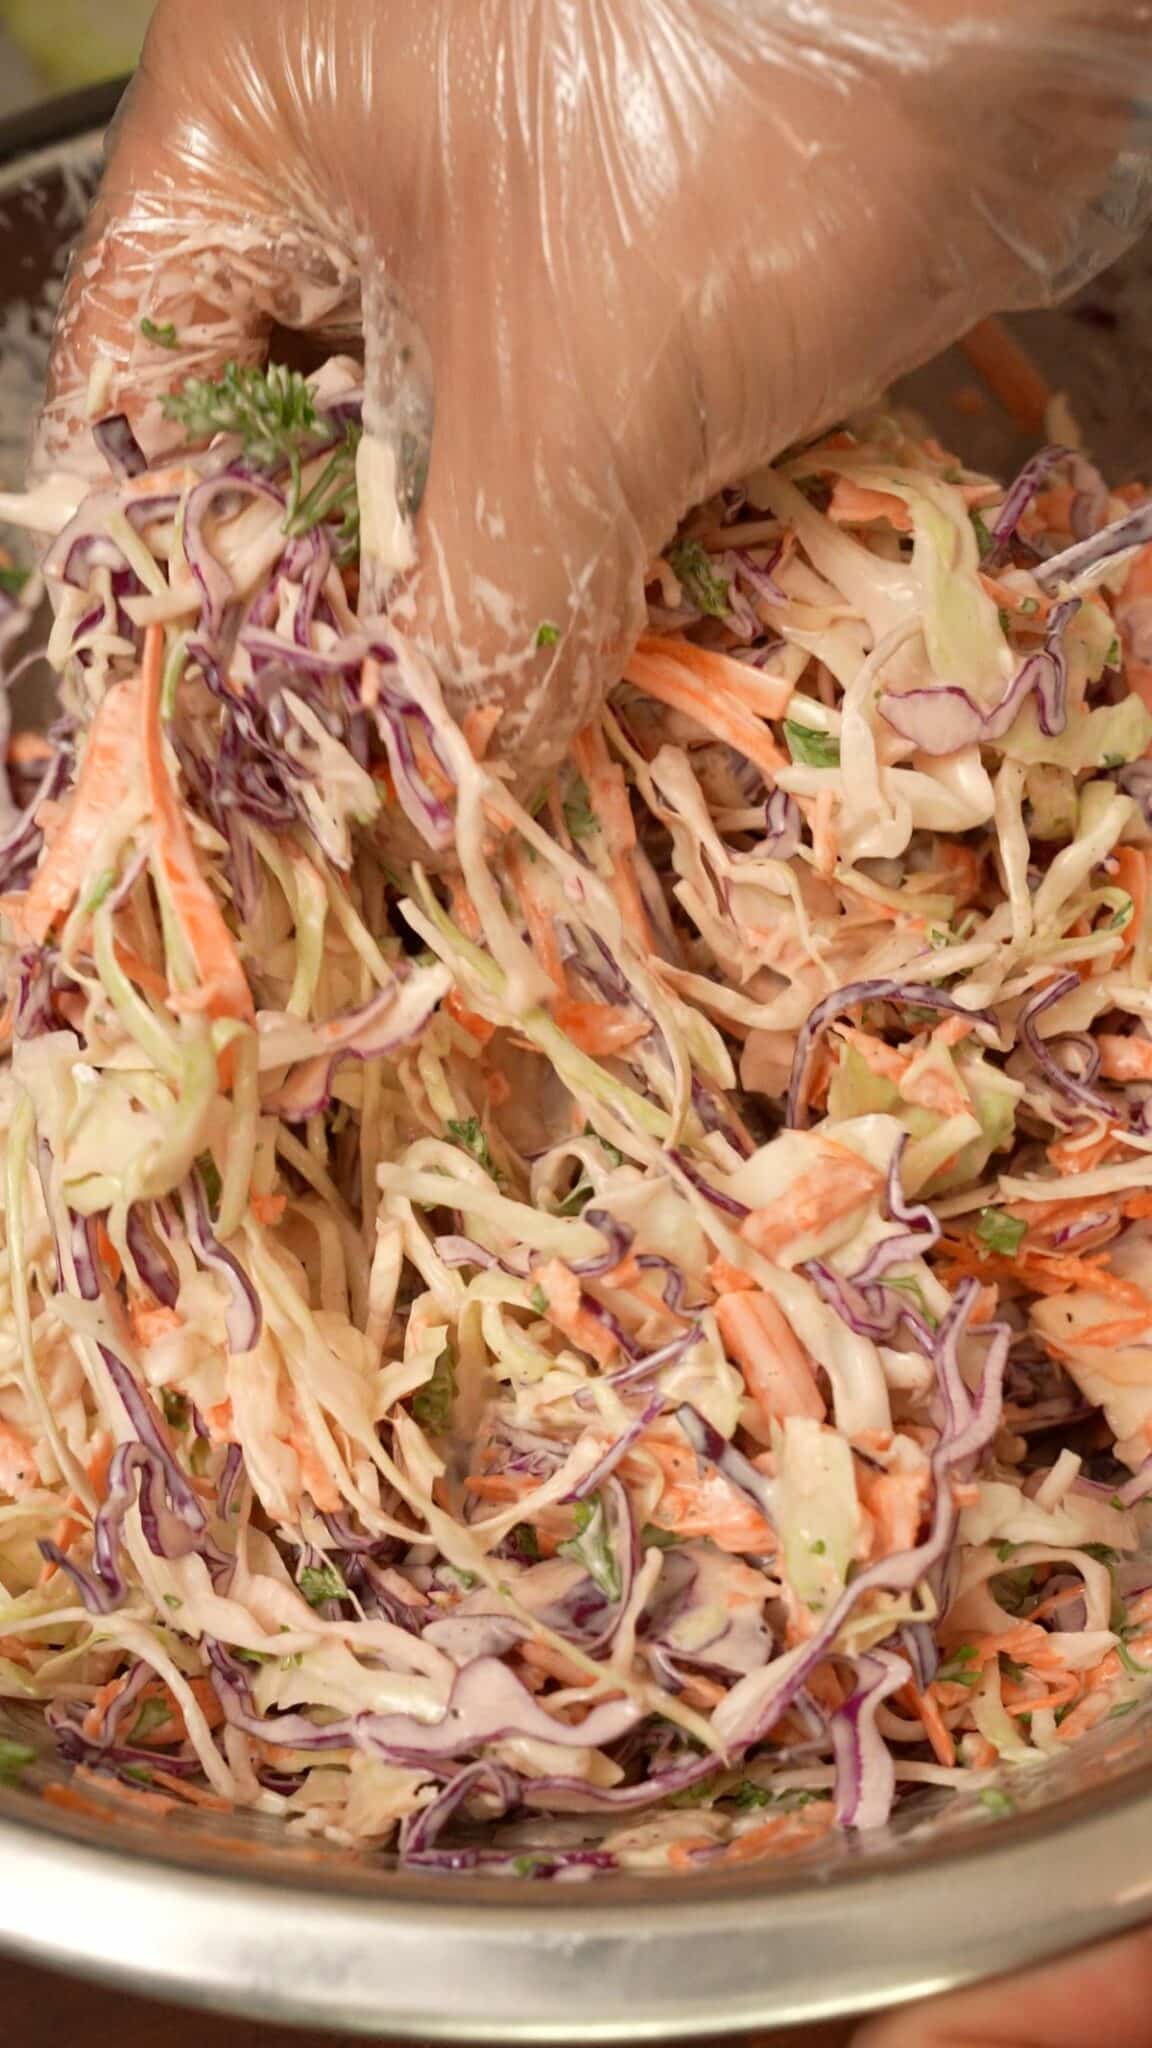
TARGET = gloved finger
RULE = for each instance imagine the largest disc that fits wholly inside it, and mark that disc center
(1103, 1995)
(193, 249)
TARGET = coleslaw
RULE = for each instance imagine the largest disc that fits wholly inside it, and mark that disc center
(613, 1322)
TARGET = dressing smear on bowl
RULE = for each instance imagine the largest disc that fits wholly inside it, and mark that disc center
(627, 1329)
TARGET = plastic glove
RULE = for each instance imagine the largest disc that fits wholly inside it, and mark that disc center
(628, 248)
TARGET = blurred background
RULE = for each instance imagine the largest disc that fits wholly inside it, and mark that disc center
(52, 46)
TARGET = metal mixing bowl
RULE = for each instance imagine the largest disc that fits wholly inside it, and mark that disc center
(236, 1914)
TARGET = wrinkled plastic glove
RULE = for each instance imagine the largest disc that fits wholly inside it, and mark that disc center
(616, 252)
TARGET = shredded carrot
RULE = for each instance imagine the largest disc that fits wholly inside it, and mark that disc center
(854, 504)
(599, 1028)
(541, 920)
(223, 990)
(561, 1289)
(268, 1209)
(110, 766)
(713, 704)
(1010, 374)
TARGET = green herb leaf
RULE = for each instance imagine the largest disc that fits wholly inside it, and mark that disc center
(576, 1200)
(579, 816)
(273, 412)
(1000, 1232)
(691, 565)
(612, 1152)
(539, 1300)
(153, 1715)
(15, 1758)
(547, 634)
(210, 1175)
(173, 1601)
(591, 1546)
(432, 1404)
(175, 1408)
(12, 580)
(164, 337)
(812, 749)
(1125, 1707)
(983, 536)
(322, 1582)
(654, 1538)
(1006, 1550)
(791, 1800)
(996, 1802)
(524, 1543)
(469, 1132)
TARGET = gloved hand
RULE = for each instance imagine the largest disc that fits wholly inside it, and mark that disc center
(629, 248)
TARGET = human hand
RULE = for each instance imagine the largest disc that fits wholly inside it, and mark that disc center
(629, 249)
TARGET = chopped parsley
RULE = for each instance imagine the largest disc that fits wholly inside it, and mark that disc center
(579, 816)
(273, 412)
(164, 336)
(983, 536)
(539, 1300)
(153, 1715)
(175, 1408)
(996, 1802)
(654, 1538)
(957, 1669)
(322, 1582)
(547, 634)
(469, 1132)
(691, 565)
(12, 580)
(15, 1758)
(1006, 1550)
(810, 748)
(432, 1403)
(591, 1546)
(1000, 1232)
(791, 1800)
(612, 1152)
(524, 1543)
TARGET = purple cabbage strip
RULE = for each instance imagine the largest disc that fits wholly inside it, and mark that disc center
(655, 1361)
(1138, 1487)
(488, 1703)
(865, 1773)
(922, 1650)
(765, 1702)
(230, 1477)
(942, 719)
(118, 445)
(783, 824)
(418, 1831)
(838, 1002)
(1033, 475)
(1133, 531)
(618, 1240)
(155, 1266)
(655, 1262)
(728, 1204)
(216, 587)
(170, 1532)
(738, 1470)
(616, 1450)
(1065, 1084)
(151, 1433)
(244, 1317)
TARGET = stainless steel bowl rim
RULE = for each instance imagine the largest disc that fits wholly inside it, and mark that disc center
(460, 1960)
